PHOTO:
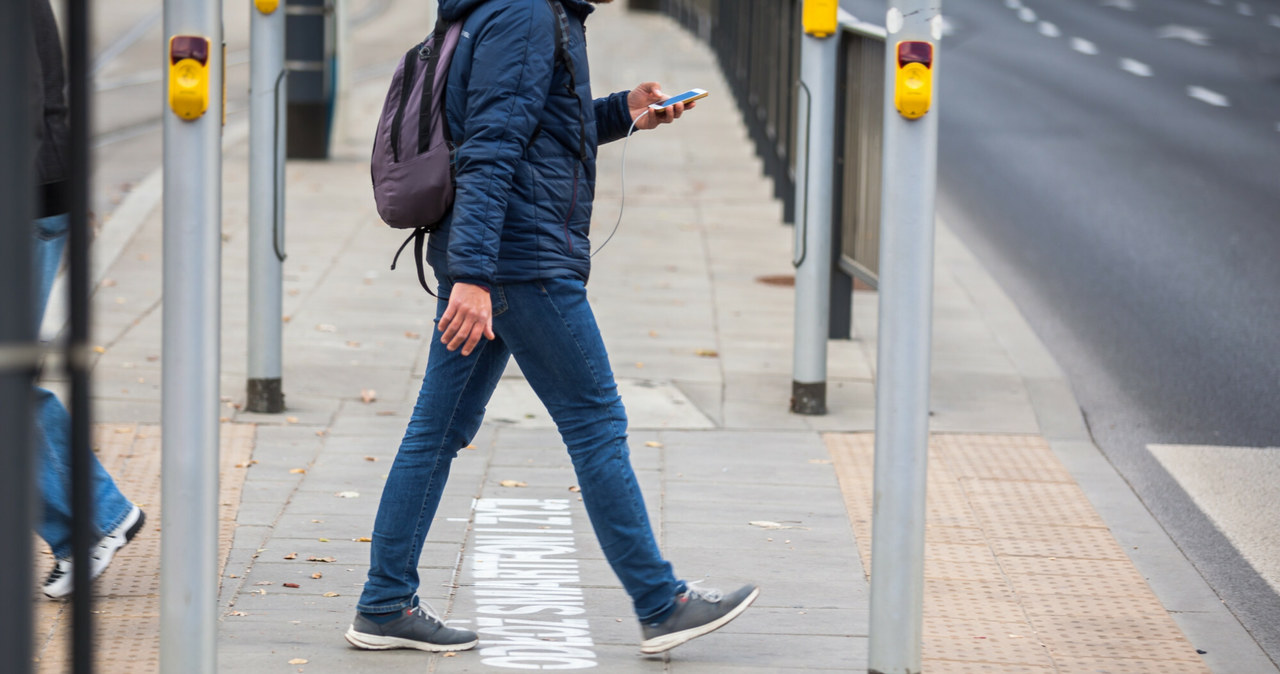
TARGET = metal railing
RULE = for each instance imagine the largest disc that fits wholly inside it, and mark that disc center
(860, 126)
(758, 45)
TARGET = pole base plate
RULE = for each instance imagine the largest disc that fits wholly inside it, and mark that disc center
(266, 396)
(809, 399)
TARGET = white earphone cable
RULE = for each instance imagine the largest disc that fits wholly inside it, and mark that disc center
(622, 199)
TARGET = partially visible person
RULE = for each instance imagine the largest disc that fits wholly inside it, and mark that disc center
(116, 519)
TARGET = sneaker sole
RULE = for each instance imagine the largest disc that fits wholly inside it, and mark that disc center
(667, 642)
(374, 642)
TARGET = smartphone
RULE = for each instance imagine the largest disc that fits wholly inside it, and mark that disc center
(687, 97)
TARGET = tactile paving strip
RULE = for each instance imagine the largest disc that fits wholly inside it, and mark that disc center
(1021, 575)
(127, 596)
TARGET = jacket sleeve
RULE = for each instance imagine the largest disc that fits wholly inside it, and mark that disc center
(511, 70)
(613, 117)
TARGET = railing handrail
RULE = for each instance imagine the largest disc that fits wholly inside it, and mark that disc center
(853, 24)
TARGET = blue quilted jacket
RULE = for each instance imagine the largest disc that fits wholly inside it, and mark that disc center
(523, 205)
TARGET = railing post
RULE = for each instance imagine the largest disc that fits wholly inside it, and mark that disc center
(266, 207)
(192, 313)
(814, 164)
(905, 323)
(18, 354)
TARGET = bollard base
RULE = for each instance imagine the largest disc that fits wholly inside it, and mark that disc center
(809, 399)
(265, 395)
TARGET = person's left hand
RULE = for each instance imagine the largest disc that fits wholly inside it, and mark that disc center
(646, 94)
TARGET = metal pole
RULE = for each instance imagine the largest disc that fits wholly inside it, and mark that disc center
(83, 532)
(192, 296)
(815, 163)
(902, 368)
(18, 351)
(266, 207)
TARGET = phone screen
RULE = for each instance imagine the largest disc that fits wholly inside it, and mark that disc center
(690, 95)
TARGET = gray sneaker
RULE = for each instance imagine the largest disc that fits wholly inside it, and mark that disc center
(698, 612)
(415, 628)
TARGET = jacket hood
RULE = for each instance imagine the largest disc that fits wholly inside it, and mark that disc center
(452, 10)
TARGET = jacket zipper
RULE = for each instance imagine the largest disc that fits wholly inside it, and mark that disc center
(573, 204)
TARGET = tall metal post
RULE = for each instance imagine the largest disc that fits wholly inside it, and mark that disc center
(18, 352)
(815, 165)
(266, 206)
(905, 324)
(192, 113)
(83, 532)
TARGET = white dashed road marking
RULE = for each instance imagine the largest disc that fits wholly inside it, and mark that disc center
(1274, 20)
(1049, 30)
(1126, 5)
(1194, 36)
(1013, 4)
(1084, 46)
(1027, 14)
(1211, 97)
(1245, 8)
(1136, 67)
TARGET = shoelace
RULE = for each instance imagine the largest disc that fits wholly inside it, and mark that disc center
(708, 594)
(428, 612)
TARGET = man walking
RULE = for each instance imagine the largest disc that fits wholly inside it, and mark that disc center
(512, 263)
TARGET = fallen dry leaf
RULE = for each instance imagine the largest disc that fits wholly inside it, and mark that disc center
(297, 471)
(575, 489)
(707, 353)
(370, 458)
(368, 395)
(238, 613)
(321, 559)
(317, 575)
(331, 594)
(450, 654)
(321, 432)
(323, 540)
(291, 555)
(293, 585)
(348, 494)
(513, 483)
(653, 443)
(292, 420)
(298, 661)
(364, 539)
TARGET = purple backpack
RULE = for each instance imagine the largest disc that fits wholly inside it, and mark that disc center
(412, 176)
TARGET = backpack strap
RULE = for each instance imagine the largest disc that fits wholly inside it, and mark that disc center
(419, 239)
(406, 87)
(562, 56)
(432, 54)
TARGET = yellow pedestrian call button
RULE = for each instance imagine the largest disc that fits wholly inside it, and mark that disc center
(913, 91)
(189, 75)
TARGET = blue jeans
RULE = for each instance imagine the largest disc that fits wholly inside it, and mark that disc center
(53, 424)
(550, 330)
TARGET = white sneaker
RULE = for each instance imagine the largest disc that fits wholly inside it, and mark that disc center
(58, 583)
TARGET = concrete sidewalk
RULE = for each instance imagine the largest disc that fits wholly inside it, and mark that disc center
(1039, 557)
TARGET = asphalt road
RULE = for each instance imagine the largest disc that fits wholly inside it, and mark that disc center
(1116, 163)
